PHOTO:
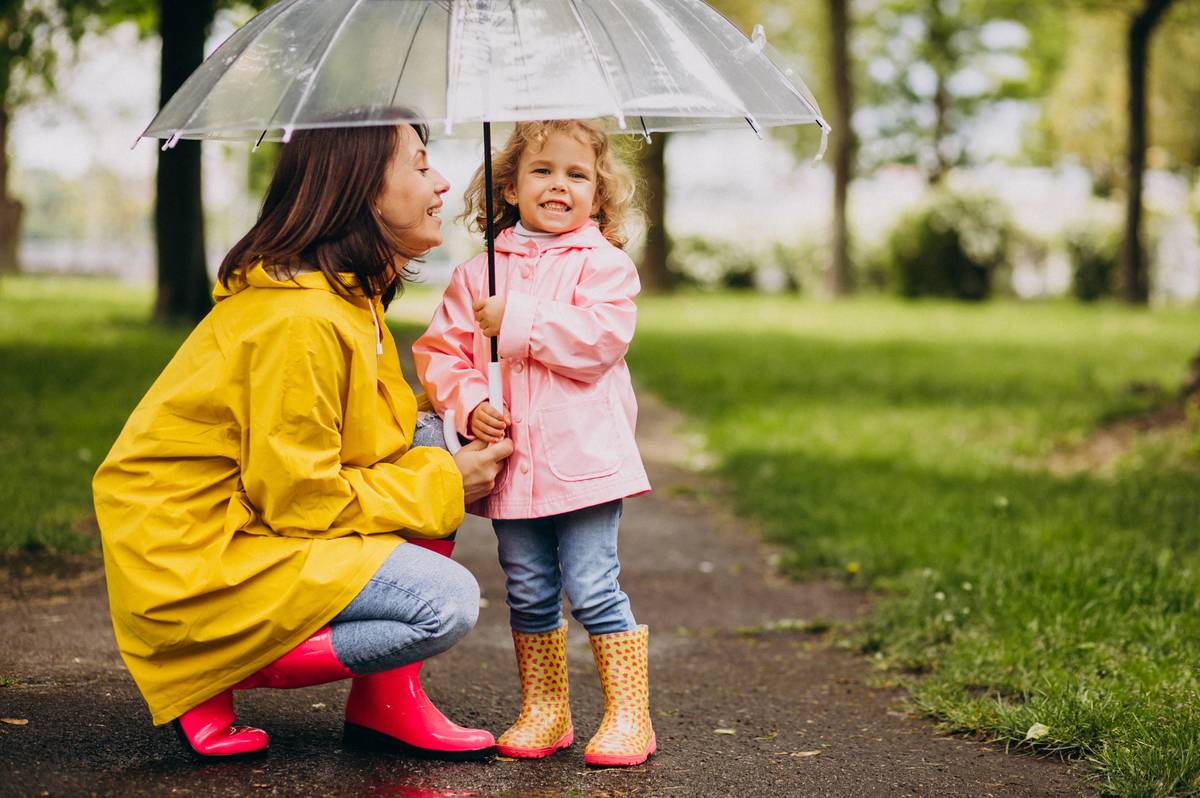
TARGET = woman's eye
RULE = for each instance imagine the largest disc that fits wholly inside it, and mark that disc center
(424, 170)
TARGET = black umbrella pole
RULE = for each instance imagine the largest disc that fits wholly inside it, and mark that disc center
(491, 227)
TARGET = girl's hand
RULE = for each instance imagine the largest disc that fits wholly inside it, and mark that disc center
(479, 465)
(489, 313)
(487, 423)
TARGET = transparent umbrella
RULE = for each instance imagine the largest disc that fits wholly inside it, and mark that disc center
(639, 66)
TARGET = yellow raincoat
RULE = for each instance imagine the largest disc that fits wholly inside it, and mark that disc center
(259, 485)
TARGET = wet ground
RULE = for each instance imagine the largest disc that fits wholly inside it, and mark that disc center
(745, 702)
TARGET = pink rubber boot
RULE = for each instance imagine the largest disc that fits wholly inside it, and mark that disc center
(208, 731)
(311, 662)
(391, 710)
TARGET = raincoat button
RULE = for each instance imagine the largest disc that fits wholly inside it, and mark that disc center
(518, 367)
(524, 468)
(516, 419)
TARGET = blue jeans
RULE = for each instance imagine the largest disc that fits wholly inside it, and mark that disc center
(417, 604)
(575, 552)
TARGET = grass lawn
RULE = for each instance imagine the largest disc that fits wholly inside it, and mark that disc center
(902, 446)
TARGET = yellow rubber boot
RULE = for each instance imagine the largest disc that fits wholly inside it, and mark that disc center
(544, 725)
(626, 736)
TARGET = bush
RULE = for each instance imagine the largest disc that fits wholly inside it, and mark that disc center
(1093, 253)
(710, 263)
(949, 247)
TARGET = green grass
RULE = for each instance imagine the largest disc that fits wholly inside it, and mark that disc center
(900, 445)
(75, 356)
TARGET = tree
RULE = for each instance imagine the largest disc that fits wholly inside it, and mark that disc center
(652, 166)
(35, 33)
(1133, 282)
(841, 270)
(1102, 115)
(183, 287)
(934, 65)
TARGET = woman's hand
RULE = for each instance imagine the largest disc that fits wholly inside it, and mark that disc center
(488, 423)
(479, 465)
(489, 313)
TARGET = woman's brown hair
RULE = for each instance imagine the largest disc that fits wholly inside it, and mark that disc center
(319, 212)
(614, 186)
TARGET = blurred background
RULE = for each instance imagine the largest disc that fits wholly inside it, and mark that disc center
(980, 147)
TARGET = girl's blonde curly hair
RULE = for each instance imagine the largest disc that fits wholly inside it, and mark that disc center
(614, 184)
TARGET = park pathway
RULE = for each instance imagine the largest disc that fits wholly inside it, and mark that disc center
(743, 705)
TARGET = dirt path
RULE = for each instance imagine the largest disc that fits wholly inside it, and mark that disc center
(804, 720)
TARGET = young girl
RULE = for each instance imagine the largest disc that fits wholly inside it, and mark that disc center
(564, 315)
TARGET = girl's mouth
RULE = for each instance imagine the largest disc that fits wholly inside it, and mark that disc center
(556, 207)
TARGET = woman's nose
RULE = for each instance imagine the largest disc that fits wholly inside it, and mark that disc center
(442, 185)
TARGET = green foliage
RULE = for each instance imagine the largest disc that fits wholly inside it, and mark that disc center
(931, 66)
(1095, 255)
(949, 247)
(911, 442)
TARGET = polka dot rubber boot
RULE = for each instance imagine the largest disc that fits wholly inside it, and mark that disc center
(544, 725)
(625, 736)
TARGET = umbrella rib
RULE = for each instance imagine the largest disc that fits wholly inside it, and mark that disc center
(454, 63)
(407, 53)
(317, 71)
(799, 95)
(608, 78)
(512, 8)
(745, 112)
(279, 11)
(284, 95)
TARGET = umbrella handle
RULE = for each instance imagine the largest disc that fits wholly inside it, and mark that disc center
(495, 398)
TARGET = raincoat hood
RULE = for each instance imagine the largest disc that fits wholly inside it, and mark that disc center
(586, 237)
(257, 277)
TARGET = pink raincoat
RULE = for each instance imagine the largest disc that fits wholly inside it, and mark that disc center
(567, 324)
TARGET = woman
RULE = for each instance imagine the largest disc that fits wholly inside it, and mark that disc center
(254, 507)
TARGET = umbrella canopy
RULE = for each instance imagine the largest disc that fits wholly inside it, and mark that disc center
(639, 65)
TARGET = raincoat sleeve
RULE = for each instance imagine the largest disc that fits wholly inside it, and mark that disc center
(583, 338)
(292, 471)
(443, 356)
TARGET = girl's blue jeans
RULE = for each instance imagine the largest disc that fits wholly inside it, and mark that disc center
(417, 604)
(574, 552)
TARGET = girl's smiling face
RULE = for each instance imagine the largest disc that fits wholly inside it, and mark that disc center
(556, 185)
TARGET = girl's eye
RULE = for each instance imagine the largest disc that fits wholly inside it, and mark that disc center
(578, 175)
(541, 170)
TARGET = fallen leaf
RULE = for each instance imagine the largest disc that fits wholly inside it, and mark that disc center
(15, 721)
(724, 731)
(1036, 732)
(806, 753)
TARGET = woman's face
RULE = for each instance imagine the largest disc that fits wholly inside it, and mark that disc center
(411, 200)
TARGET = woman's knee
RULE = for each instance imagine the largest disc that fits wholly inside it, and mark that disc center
(458, 605)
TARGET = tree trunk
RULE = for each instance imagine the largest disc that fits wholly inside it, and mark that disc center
(1134, 283)
(655, 275)
(10, 209)
(183, 286)
(840, 280)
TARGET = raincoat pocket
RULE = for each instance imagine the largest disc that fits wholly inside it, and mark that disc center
(580, 440)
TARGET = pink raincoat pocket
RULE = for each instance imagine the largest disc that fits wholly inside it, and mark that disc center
(580, 440)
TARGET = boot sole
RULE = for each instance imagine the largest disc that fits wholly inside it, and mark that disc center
(242, 757)
(537, 753)
(362, 737)
(612, 760)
